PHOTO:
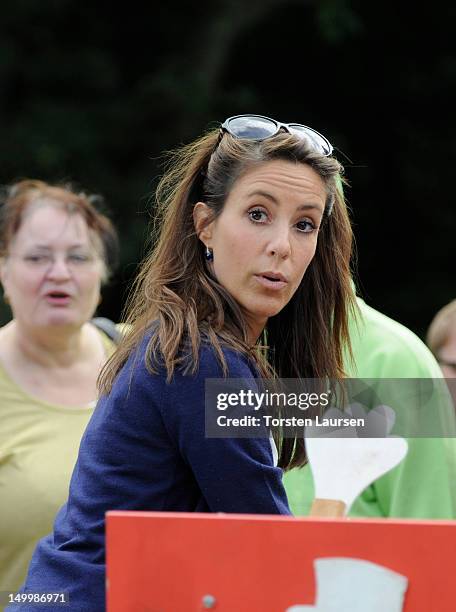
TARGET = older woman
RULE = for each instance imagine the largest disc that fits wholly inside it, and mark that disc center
(255, 240)
(56, 252)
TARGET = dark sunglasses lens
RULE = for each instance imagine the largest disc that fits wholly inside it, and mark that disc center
(316, 140)
(251, 127)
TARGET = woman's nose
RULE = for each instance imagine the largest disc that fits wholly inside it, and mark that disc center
(58, 269)
(280, 243)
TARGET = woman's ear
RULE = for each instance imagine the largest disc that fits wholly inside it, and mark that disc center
(2, 269)
(4, 278)
(202, 221)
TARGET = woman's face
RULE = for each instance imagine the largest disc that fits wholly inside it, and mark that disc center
(266, 236)
(53, 271)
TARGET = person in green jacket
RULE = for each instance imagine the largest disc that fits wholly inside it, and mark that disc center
(423, 485)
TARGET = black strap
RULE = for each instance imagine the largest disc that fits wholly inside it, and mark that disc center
(108, 327)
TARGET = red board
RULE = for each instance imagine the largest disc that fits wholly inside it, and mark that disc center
(168, 562)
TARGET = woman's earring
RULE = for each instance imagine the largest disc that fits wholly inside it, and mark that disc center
(209, 254)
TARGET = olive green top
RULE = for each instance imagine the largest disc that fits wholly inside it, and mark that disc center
(39, 444)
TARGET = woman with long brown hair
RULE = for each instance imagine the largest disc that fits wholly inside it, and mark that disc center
(249, 276)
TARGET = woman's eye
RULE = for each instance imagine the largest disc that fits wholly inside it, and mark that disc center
(305, 226)
(78, 258)
(257, 215)
(36, 258)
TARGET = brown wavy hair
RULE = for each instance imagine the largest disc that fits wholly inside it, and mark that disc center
(174, 287)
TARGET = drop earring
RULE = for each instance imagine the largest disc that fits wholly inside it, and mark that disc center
(209, 254)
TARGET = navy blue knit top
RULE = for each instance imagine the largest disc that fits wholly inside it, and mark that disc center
(145, 449)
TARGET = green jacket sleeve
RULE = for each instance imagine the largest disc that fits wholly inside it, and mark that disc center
(423, 484)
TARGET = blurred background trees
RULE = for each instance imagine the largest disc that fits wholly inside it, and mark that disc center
(94, 94)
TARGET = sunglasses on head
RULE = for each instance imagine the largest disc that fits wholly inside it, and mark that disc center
(257, 127)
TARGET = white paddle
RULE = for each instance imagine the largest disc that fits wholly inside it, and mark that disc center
(357, 585)
(344, 465)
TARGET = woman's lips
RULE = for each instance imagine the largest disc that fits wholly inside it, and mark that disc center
(58, 299)
(275, 285)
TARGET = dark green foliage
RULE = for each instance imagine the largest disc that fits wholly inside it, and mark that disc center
(95, 94)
